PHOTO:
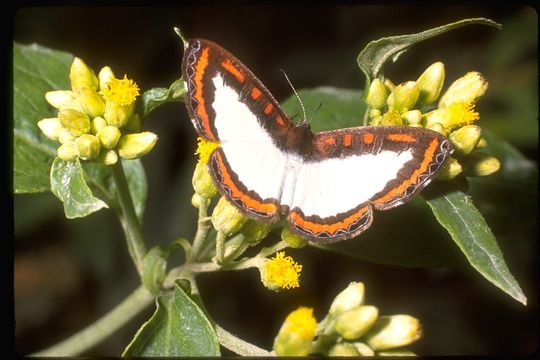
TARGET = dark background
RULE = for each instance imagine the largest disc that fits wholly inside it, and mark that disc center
(69, 273)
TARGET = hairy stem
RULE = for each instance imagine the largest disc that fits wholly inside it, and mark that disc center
(128, 218)
(203, 225)
(237, 345)
(103, 328)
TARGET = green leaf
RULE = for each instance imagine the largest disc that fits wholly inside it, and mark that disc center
(69, 185)
(178, 327)
(155, 97)
(373, 57)
(36, 70)
(99, 177)
(456, 212)
(327, 108)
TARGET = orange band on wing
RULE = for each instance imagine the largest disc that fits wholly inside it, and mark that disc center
(428, 158)
(317, 228)
(248, 201)
(368, 138)
(268, 108)
(200, 68)
(347, 140)
(229, 66)
(255, 93)
(401, 137)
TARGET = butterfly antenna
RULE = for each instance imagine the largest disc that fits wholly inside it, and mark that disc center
(295, 93)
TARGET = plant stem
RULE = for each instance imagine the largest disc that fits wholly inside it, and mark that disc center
(128, 218)
(220, 247)
(238, 345)
(102, 328)
(202, 230)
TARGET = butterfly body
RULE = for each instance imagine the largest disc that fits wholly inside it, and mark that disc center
(326, 183)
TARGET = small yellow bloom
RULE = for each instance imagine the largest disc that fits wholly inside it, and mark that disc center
(121, 91)
(296, 333)
(391, 118)
(281, 272)
(205, 148)
(455, 115)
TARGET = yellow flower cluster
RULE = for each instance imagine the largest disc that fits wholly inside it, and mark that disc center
(280, 272)
(414, 103)
(349, 329)
(96, 119)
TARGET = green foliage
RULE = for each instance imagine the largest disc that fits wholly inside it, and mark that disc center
(178, 327)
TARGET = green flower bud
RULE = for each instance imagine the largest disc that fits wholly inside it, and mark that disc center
(296, 334)
(67, 151)
(354, 323)
(88, 146)
(226, 218)
(466, 89)
(403, 97)
(393, 331)
(91, 102)
(110, 157)
(98, 123)
(438, 127)
(465, 139)
(343, 349)
(482, 143)
(117, 115)
(430, 84)
(377, 94)
(480, 164)
(64, 136)
(105, 75)
(50, 127)
(60, 98)
(348, 299)
(133, 146)
(254, 231)
(389, 85)
(109, 136)
(373, 113)
(197, 201)
(451, 169)
(82, 76)
(391, 118)
(293, 240)
(363, 349)
(412, 117)
(202, 181)
(75, 121)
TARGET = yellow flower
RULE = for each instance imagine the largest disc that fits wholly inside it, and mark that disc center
(121, 91)
(280, 272)
(296, 333)
(205, 148)
(454, 115)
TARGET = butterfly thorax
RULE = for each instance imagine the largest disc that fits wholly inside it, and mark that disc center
(299, 139)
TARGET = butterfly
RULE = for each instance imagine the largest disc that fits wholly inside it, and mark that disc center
(326, 184)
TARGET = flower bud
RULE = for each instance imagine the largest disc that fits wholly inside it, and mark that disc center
(465, 89)
(67, 151)
(393, 331)
(60, 98)
(105, 75)
(412, 117)
(50, 127)
(391, 118)
(117, 115)
(482, 143)
(396, 353)
(354, 323)
(403, 97)
(254, 230)
(110, 157)
(348, 299)
(75, 121)
(197, 201)
(293, 240)
(88, 146)
(363, 349)
(465, 139)
(430, 84)
(377, 94)
(91, 102)
(373, 113)
(438, 127)
(343, 349)
(82, 76)
(480, 164)
(98, 123)
(109, 136)
(451, 169)
(226, 218)
(202, 181)
(64, 136)
(133, 146)
(389, 85)
(296, 334)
